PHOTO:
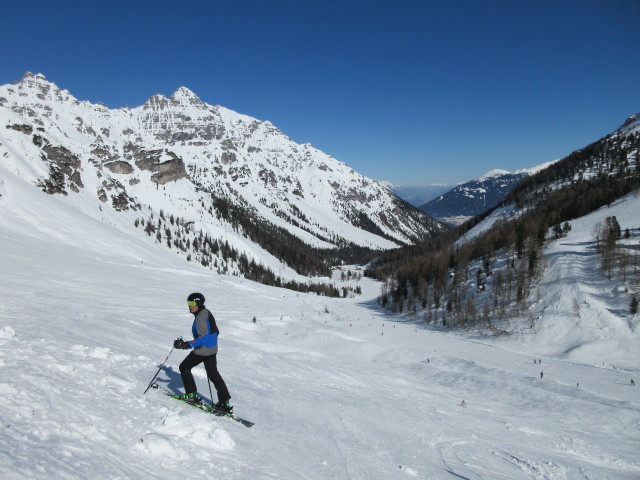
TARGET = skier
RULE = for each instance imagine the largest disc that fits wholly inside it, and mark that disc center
(205, 345)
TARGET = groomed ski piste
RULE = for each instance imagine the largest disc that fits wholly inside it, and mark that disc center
(337, 388)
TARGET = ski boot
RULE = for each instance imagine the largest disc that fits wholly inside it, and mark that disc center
(190, 398)
(224, 407)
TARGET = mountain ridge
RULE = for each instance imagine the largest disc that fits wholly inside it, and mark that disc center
(472, 197)
(475, 196)
(188, 158)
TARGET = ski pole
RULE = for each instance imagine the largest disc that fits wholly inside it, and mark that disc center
(210, 394)
(154, 377)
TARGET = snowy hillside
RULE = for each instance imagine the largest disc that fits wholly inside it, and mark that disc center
(337, 388)
(207, 168)
(578, 313)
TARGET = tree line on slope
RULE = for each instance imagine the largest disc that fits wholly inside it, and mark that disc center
(448, 278)
(223, 258)
(619, 256)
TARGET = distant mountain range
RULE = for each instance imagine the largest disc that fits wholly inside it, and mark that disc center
(475, 196)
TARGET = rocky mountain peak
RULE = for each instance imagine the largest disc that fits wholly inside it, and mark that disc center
(32, 77)
(37, 85)
(183, 96)
(156, 102)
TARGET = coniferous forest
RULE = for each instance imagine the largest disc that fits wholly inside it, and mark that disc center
(221, 257)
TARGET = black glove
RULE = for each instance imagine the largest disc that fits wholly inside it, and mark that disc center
(181, 344)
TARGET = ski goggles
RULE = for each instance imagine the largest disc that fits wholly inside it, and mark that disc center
(192, 304)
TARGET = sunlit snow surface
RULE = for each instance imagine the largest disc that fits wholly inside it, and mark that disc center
(89, 308)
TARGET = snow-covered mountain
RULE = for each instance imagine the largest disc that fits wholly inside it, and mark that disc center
(473, 197)
(207, 171)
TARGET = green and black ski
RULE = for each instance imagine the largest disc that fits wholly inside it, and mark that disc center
(205, 407)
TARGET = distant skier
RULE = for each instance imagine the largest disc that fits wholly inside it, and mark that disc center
(205, 345)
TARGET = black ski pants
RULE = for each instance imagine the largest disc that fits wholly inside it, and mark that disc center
(211, 366)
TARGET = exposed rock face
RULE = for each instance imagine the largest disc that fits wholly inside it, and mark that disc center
(166, 165)
(120, 167)
(26, 129)
(120, 199)
(147, 159)
(169, 171)
(64, 168)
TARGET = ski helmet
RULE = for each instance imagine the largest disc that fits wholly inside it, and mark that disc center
(196, 297)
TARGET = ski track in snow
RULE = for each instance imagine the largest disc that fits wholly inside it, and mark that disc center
(338, 389)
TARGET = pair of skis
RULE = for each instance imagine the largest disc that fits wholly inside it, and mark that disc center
(205, 407)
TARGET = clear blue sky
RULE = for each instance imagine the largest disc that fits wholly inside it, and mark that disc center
(412, 91)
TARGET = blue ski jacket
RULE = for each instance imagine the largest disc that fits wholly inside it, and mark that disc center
(205, 333)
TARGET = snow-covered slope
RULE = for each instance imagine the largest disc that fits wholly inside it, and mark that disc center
(185, 157)
(578, 313)
(338, 389)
